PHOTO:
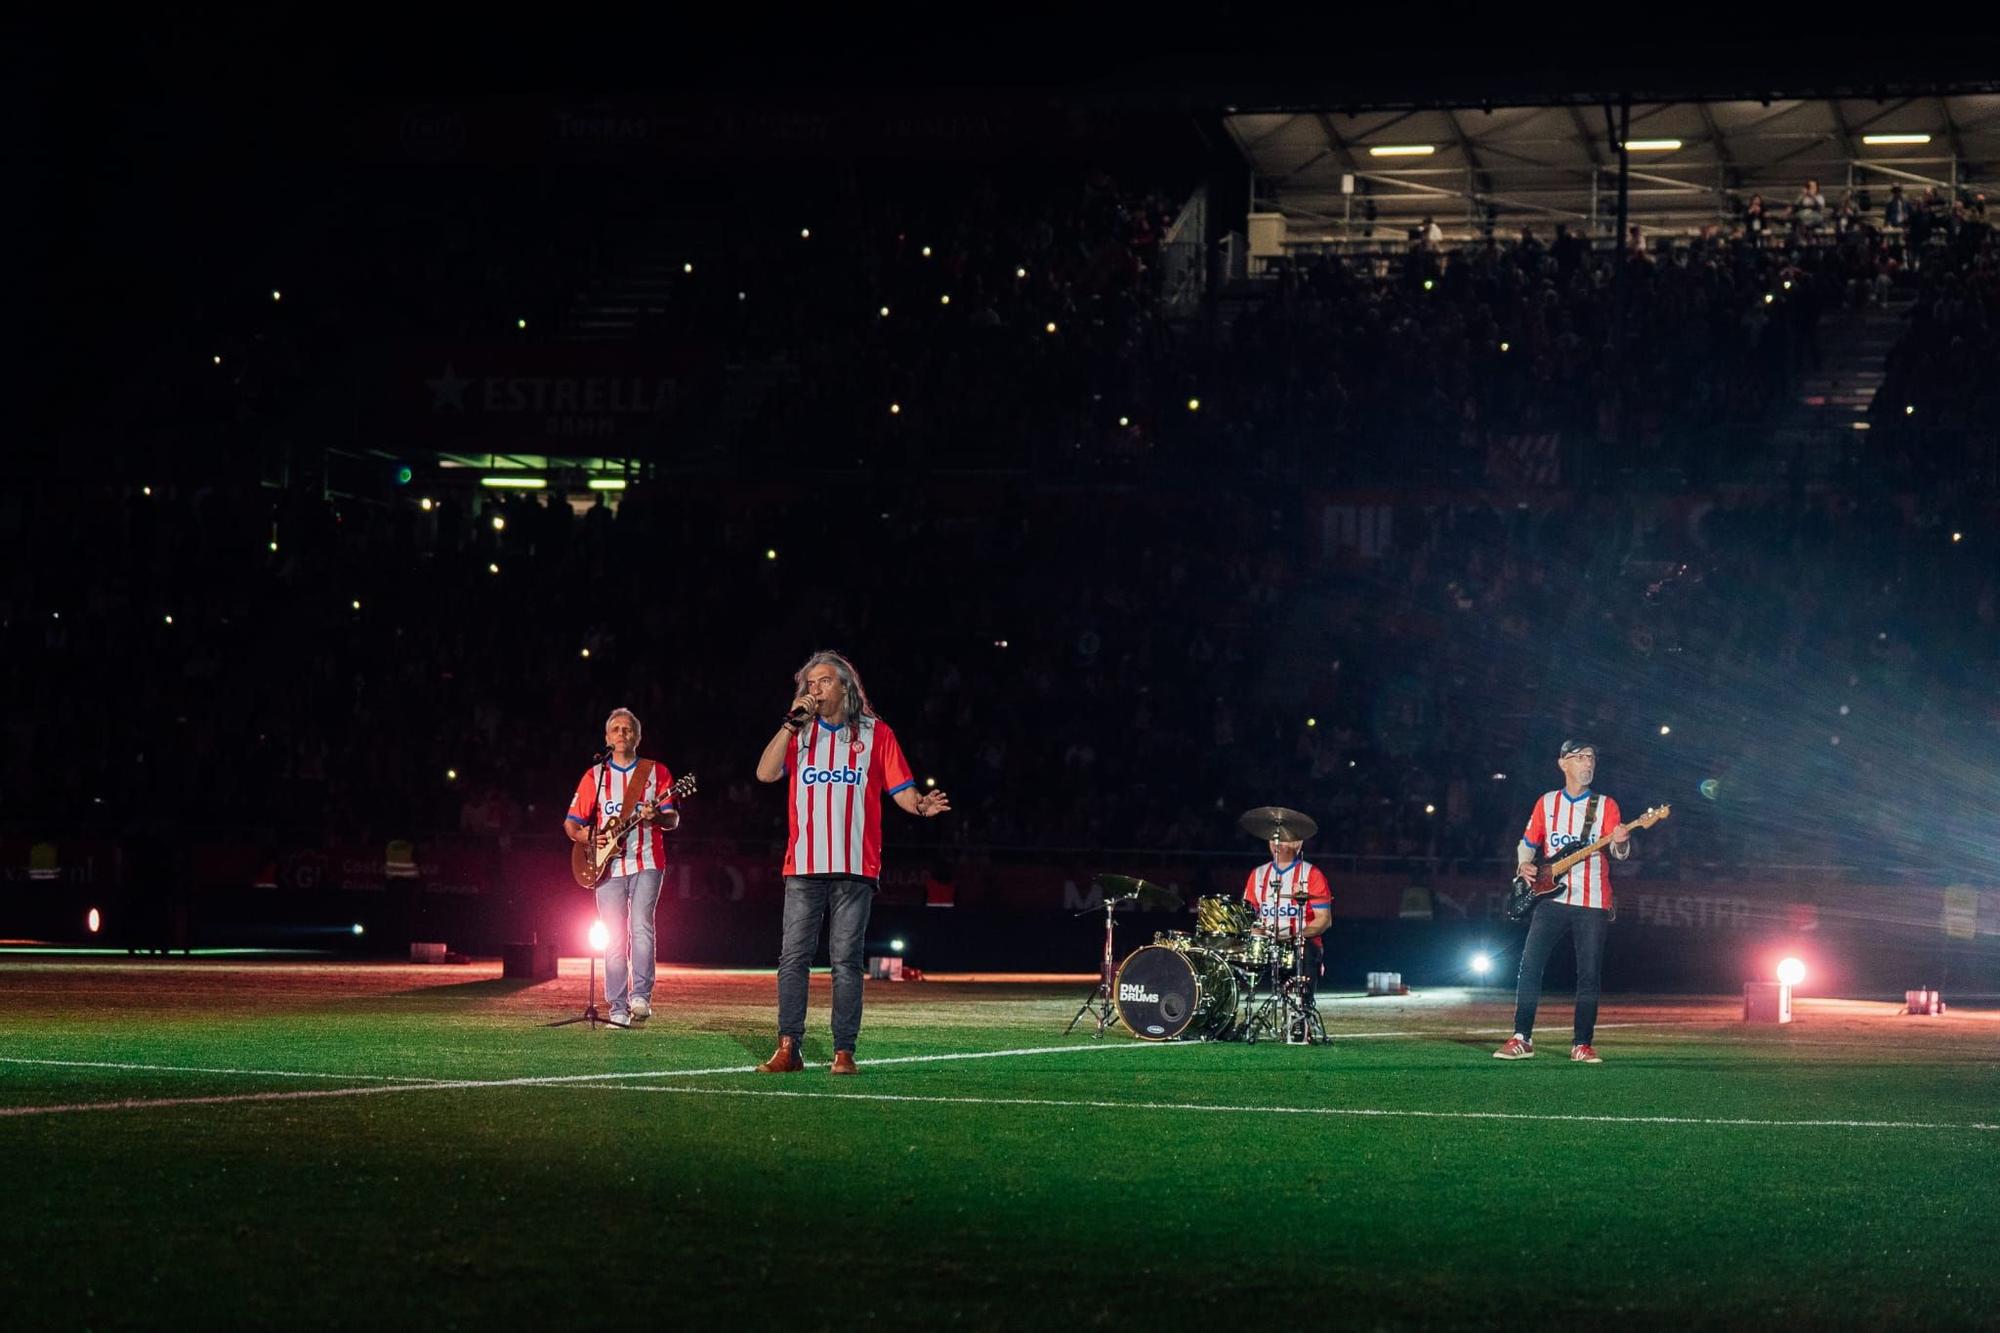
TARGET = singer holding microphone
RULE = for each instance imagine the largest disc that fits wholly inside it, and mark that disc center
(841, 761)
(629, 894)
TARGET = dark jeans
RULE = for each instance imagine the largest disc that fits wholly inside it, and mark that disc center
(809, 899)
(1587, 926)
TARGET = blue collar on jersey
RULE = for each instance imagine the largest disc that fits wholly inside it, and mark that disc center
(829, 726)
(1573, 799)
(622, 768)
(1281, 871)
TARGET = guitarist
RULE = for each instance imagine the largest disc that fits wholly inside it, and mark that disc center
(1565, 818)
(629, 893)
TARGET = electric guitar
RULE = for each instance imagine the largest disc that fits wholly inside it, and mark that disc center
(1524, 892)
(589, 859)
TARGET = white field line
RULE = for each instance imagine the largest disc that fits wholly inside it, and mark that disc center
(1349, 1111)
(196, 1069)
(433, 1085)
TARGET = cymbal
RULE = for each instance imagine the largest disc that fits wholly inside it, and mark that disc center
(1275, 821)
(1148, 893)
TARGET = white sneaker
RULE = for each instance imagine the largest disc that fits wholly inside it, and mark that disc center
(641, 1009)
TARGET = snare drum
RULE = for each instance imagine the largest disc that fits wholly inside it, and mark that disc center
(1167, 994)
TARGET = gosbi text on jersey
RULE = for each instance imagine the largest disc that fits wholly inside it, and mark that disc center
(1270, 892)
(838, 777)
(600, 798)
(1556, 825)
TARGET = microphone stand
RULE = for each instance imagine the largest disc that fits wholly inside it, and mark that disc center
(590, 1014)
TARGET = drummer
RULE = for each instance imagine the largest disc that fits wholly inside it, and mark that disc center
(1272, 893)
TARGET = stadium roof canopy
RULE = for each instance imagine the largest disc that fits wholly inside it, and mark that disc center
(1557, 162)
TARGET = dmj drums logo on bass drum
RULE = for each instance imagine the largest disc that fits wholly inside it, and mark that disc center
(1128, 991)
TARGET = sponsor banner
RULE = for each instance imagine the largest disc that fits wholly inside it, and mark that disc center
(537, 869)
(31, 863)
(535, 397)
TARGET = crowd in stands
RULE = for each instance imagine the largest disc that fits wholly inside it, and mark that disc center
(1122, 657)
(374, 677)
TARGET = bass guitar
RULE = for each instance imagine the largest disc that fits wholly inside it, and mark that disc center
(1550, 871)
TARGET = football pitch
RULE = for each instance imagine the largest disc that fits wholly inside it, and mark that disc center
(283, 1143)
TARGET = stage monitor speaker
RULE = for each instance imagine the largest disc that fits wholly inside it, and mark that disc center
(530, 962)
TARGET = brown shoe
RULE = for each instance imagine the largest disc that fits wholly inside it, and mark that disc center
(784, 1060)
(843, 1063)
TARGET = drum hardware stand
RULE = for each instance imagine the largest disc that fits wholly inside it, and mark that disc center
(1291, 1009)
(1100, 1001)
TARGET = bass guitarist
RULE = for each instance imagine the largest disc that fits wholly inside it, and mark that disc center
(1568, 817)
(629, 894)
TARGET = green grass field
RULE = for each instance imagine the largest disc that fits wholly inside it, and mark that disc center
(335, 1144)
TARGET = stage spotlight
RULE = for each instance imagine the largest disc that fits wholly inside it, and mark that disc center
(1124, 421)
(357, 928)
(1503, 346)
(896, 944)
(426, 504)
(277, 295)
(927, 252)
(600, 938)
(687, 268)
(492, 568)
(1312, 721)
(356, 604)
(93, 921)
(451, 775)
(1481, 964)
(770, 553)
(1194, 404)
(1430, 809)
(1791, 972)
(499, 523)
(1666, 730)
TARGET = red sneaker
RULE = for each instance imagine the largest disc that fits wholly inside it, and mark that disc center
(1585, 1055)
(1518, 1047)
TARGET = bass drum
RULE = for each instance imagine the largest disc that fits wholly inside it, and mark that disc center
(1169, 994)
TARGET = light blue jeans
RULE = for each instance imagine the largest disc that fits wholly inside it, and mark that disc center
(628, 953)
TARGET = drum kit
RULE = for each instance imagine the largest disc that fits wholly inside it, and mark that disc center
(1233, 978)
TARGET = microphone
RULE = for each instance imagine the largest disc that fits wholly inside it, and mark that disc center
(799, 713)
(600, 756)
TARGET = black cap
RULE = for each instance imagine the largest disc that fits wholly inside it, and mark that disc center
(1571, 746)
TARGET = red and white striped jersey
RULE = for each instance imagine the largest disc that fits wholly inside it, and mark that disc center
(1556, 825)
(600, 798)
(1269, 892)
(837, 786)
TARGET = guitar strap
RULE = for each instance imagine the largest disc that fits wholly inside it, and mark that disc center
(1590, 835)
(635, 787)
